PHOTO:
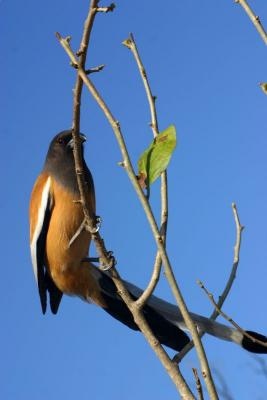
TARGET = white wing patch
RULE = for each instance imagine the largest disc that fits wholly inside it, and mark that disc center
(39, 226)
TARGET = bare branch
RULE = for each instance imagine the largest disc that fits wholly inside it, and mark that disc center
(198, 385)
(229, 319)
(205, 369)
(131, 44)
(254, 18)
(239, 229)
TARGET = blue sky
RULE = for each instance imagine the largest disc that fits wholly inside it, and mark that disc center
(204, 61)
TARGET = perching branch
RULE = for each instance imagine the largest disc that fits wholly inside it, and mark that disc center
(131, 44)
(254, 18)
(90, 222)
(239, 229)
(205, 369)
(229, 319)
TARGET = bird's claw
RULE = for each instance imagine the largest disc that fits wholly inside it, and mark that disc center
(111, 262)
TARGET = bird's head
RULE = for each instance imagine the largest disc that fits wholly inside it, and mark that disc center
(63, 144)
(60, 160)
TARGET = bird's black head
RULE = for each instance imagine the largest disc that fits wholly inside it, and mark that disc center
(62, 144)
(60, 160)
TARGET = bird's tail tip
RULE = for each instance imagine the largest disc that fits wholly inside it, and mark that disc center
(254, 347)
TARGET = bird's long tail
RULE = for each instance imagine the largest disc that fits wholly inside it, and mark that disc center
(165, 319)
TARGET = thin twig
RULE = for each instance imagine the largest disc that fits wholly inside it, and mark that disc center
(198, 385)
(205, 369)
(254, 18)
(229, 319)
(131, 44)
(239, 229)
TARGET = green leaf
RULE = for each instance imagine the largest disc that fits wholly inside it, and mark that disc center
(156, 158)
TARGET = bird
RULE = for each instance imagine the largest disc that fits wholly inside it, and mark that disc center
(59, 250)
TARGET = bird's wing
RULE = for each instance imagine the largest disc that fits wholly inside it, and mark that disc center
(40, 213)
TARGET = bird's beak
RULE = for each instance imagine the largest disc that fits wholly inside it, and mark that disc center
(82, 137)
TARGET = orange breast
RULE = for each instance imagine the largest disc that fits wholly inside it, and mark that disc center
(63, 260)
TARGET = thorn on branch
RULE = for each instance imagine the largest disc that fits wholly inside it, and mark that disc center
(95, 69)
(128, 42)
(79, 53)
(74, 65)
(116, 124)
(160, 239)
(82, 49)
(106, 9)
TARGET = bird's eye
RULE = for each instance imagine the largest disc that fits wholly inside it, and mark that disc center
(60, 141)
